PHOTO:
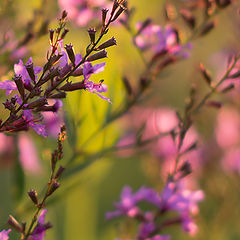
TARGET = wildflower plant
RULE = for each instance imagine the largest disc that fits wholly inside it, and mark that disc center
(169, 136)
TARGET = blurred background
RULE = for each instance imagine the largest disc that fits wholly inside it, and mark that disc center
(96, 172)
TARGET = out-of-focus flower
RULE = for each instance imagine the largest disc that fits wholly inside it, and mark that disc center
(40, 229)
(4, 234)
(10, 44)
(174, 197)
(228, 138)
(82, 11)
(27, 152)
(159, 39)
(228, 127)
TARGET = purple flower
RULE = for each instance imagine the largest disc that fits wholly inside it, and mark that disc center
(97, 88)
(8, 85)
(40, 229)
(89, 69)
(82, 11)
(159, 40)
(21, 70)
(28, 154)
(31, 122)
(127, 205)
(4, 234)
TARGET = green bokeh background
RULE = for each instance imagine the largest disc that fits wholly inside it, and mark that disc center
(78, 210)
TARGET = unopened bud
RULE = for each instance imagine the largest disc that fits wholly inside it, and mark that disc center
(73, 86)
(70, 52)
(235, 75)
(144, 82)
(96, 56)
(185, 169)
(215, 104)
(38, 103)
(65, 31)
(228, 88)
(30, 70)
(115, 6)
(20, 86)
(53, 73)
(64, 14)
(207, 28)
(109, 43)
(58, 95)
(92, 34)
(51, 34)
(33, 195)
(59, 172)
(54, 186)
(188, 17)
(104, 15)
(118, 13)
(15, 224)
(206, 74)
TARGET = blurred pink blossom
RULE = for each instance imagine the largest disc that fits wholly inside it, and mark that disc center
(28, 155)
(82, 11)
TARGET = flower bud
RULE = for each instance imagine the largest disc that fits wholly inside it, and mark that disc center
(70, 52)
(30, 70)
(33, 195)
(104, 15)
(118, 13)
(109, 43)
(92, 34)
(51, 34)
(59, 172)
(53, 73)
(215, 104)
(96, 56)
(228, 88)
(54, 186)
(64, 14)
(20, 86)
(38, 103)
(115, 6)
(15, 224)
(73, 86)
(65, 31)
(207, 28)
(58, 95)
(205, 74)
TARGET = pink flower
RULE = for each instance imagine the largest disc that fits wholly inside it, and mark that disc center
(28, 155)
(82, 11)
(159, 39)
(228, 127)
(4, 234)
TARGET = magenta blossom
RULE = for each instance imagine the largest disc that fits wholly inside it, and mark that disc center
(20, 69)
(4, 234)
(82, 11)
(174, 197)
(159, 40)
(40, 229)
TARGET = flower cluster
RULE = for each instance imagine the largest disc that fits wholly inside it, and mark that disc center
(173, 198)
(39, 89)
(160, 40)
